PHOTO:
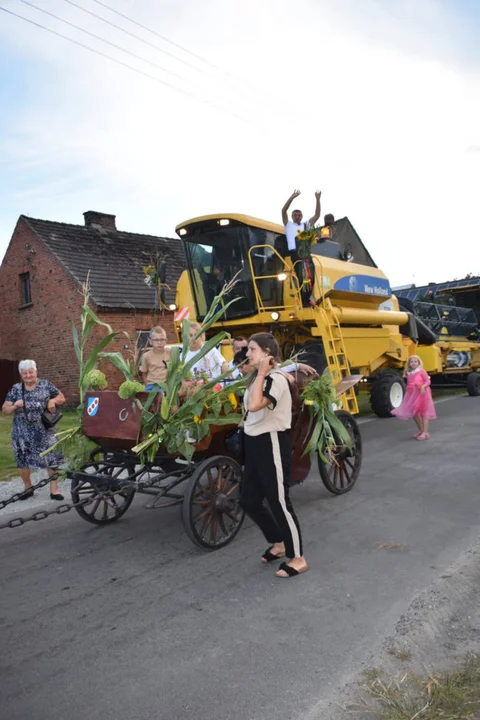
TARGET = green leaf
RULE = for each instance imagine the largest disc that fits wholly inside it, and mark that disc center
(185, 337)
(233, 419)
(92, 358)
(96, 320)
(76, 344)
(121, 363)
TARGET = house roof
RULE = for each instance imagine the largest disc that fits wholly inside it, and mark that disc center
(114, 259)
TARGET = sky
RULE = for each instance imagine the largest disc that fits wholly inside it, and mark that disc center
(374, 102)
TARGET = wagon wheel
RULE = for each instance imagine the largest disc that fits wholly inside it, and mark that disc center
(341, 474)
(211, 510)
(105, 508)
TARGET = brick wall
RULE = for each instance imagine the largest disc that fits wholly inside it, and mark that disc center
(43, 331)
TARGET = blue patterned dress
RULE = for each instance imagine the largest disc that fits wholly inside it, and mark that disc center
(29, 435)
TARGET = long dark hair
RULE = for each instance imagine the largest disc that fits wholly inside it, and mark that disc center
(268, 344)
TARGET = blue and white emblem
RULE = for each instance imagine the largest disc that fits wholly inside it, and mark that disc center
(92, 405)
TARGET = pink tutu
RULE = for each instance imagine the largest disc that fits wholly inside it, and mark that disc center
(414, 403)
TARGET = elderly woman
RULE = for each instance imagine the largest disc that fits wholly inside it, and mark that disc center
(28, 399)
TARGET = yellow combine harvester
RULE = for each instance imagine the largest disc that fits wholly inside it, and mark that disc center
(355, 326)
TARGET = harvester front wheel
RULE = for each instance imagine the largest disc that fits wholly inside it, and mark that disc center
(387, 393)
(473, 384)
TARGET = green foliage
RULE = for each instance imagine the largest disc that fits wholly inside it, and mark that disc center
(325, 428)
(127, 366)
(129, 389)
(88, 321)
(96, 379)
(188, 408)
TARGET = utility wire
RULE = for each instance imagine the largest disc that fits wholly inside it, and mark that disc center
(130, 67)
(184, 49)
(108, 42)
(162, 37)
(157, 47)
(127, 32)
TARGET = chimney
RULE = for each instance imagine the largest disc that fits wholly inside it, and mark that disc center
(99, 220)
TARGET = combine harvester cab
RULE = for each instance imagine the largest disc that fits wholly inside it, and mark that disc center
(352, 326)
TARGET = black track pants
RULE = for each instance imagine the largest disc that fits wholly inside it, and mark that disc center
(266, 476)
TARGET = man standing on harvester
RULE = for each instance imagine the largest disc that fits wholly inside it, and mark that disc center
(292, 227)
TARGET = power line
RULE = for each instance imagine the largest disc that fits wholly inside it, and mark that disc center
(184, 49)
(108, 42)
(156, 46)
(127, 32)
(162, 37)
(130, 67)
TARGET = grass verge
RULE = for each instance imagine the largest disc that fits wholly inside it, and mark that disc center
(8, 469)
(453, 695)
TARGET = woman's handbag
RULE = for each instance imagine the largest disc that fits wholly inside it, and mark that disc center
(235, 442)
(49, 419)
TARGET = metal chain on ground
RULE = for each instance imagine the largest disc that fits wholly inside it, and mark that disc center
(60, 510)
(65, 507)
(18, 496)
(42, 514)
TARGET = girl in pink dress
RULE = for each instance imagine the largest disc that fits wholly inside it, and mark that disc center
(418, 402)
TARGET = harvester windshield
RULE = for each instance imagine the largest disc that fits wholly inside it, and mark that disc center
(217, 250)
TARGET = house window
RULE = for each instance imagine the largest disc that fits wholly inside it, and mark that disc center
(25, 287)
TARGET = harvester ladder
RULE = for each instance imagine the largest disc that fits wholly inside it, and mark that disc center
(337, 360)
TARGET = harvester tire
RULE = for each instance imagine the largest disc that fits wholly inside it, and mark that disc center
(473, 384)
(388, 390)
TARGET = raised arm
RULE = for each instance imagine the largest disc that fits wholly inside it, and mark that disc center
(315, 217)
(292, 197)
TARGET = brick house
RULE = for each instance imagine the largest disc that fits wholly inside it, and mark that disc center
(41, 278)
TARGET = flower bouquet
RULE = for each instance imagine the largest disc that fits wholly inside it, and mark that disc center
(306, 238)
(154, 277)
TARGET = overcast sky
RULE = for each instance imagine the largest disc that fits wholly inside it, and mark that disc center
(375, 102)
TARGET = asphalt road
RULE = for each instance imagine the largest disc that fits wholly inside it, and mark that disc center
(132, 622)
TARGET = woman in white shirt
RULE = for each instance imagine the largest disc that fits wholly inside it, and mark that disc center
(267, 423)
(212, 364)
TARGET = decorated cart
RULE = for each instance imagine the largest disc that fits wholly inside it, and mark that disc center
(172, 444)
(207, 487)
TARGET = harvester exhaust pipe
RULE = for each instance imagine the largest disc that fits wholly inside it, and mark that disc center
(357, 316)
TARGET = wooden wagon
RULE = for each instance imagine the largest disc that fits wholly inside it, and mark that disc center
(207, 487)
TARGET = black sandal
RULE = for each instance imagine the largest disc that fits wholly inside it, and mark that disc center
(291, 572)
(269, 557)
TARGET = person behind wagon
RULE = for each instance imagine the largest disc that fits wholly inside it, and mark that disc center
(240, 347)
(212, 364)
(267, 422)
(154, 362)
(28, 400)
(417, 402)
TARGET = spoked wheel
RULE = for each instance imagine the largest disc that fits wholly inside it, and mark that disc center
(108, 503)
(340, 475)
(211, 511)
